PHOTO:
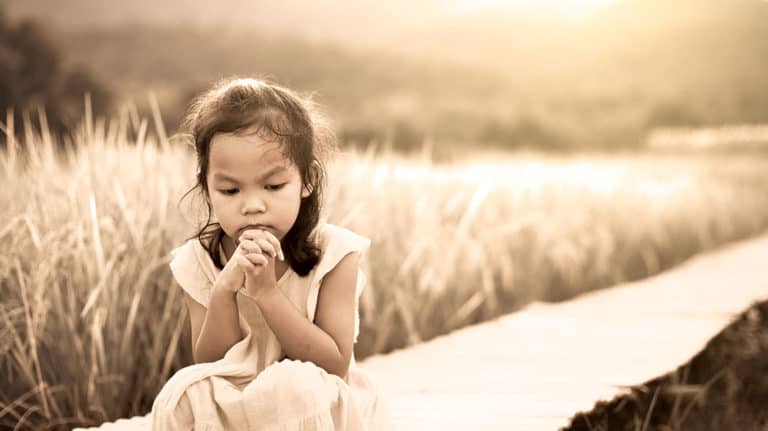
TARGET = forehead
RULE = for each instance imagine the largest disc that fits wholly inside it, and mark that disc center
(236, 153)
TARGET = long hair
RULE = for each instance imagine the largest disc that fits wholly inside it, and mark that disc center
(255, 106)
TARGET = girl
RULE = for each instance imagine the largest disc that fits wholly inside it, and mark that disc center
(271, 290)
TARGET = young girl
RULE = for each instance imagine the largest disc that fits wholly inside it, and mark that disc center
(271, 290)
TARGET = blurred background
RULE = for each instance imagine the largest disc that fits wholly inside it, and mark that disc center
(560, 146)
(558, 75)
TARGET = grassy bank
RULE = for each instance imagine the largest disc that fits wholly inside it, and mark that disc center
(723, 387)
(93, 325)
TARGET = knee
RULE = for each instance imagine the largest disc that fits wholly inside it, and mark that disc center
(298, 382)
(291, 373)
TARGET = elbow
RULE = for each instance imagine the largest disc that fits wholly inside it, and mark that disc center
(200, 355)
(195, 354)
(203, 358)
(197, 357)
(332, 362)
(339, 366)
(339, 372)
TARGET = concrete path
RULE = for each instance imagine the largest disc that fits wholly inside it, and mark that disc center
(534, 369)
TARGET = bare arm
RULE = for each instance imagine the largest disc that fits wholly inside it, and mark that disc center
(214, 330)
(327, 342)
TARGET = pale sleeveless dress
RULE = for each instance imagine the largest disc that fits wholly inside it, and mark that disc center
(251, 388)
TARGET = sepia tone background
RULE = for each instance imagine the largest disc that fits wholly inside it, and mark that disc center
(551, 74)
(556, 146)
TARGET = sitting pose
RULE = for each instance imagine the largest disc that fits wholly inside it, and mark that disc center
(271, 290)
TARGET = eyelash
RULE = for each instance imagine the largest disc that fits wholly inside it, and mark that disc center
(270, 187)
(275, 187)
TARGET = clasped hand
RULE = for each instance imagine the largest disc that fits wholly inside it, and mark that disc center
(252, 265)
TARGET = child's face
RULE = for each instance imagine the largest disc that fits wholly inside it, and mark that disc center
(252, 185)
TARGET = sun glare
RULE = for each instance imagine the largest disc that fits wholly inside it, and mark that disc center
(548, 7)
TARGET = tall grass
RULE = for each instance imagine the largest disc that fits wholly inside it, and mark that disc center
(93, 325)
(461, 244)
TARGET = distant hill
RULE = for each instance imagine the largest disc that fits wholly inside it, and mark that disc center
(426, 27)
(328, 20)
(494, 74)
(179, 62)
(672, 45)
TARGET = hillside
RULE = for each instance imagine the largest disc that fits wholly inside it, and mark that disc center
(494, 75)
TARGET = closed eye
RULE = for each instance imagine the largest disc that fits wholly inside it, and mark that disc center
(228, 192)
(275, 187)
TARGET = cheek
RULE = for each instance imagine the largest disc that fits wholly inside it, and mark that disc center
(221, 207)
(296, 195)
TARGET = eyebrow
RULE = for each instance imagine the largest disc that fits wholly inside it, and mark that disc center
(269, 173)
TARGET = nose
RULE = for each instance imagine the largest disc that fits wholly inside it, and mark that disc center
(253, 204)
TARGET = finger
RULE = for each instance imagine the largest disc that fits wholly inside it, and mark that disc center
(249, 246)
(266, 247)
(247, 266)
(275, 244)
(252, 234)
(257, 234)
(243, 263)
(257, 259)
(261, 246)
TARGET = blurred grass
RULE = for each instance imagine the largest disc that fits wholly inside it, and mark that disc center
(461, 244)
(93, 324)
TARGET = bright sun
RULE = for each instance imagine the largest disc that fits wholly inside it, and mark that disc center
(558, 7)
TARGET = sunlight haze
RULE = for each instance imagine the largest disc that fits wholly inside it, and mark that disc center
(566, 8)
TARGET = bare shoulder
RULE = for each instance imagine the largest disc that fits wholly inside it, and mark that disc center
(344, 271)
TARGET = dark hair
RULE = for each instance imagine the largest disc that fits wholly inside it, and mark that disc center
(254, 106)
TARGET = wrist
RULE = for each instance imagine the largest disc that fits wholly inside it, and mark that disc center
(222, 287)
(263, 296)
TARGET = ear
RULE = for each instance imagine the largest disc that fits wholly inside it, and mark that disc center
(314, 176)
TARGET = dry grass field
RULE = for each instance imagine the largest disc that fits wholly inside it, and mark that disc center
(93, 325)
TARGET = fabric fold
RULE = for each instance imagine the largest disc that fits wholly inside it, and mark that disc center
(253, 387)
